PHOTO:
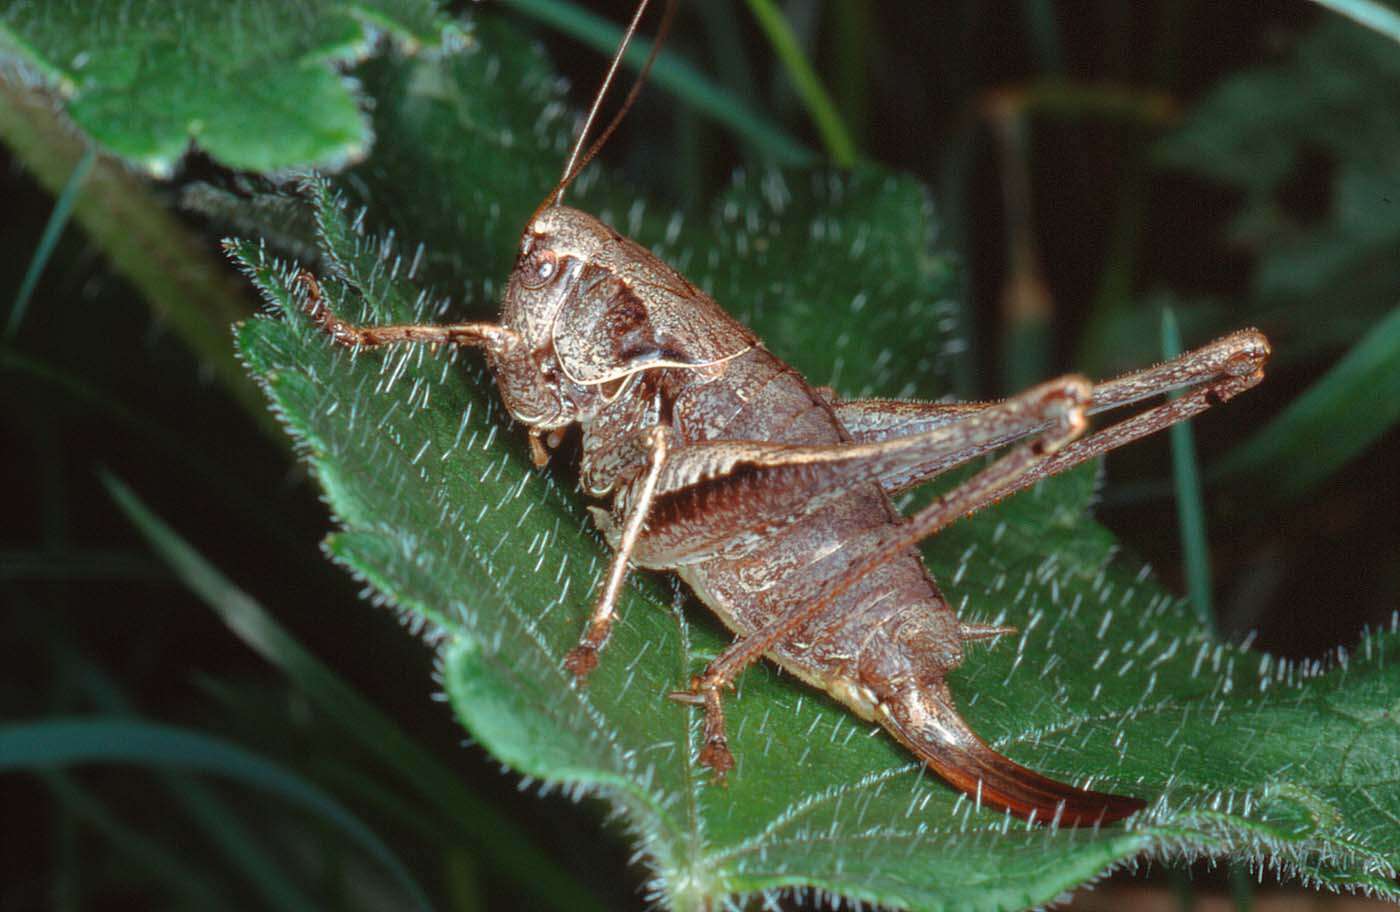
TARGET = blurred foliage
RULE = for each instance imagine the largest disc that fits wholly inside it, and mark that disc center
(1270, 203)
(1329, 106)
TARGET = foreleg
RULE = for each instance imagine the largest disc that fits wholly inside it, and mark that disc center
(493, 337)
(482, 335)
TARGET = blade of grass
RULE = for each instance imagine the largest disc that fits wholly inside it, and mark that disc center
(854, 22)
(53, 230)
(1044, 33)
(248, 853)
(69, 741)
(835, 137)
(504, 843)
(347, 775)
(58, 743)
(1190, 506)
(1375, 16)
(240, 848)
(1356, 402)
(680, 78)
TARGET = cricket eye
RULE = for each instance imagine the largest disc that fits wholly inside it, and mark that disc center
(539, 268)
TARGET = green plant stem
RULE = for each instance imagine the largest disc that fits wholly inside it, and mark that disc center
(675, 76)
(835, 137)
(1190, 506)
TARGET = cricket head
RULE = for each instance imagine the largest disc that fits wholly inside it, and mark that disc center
(592, 309)
(589, 310)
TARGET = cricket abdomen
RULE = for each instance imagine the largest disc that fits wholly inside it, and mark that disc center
(884, 649)
(756, 576)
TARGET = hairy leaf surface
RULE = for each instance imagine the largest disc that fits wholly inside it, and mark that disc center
(1111, 682)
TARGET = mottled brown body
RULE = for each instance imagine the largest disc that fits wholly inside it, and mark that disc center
(754, 544)
(770, 498)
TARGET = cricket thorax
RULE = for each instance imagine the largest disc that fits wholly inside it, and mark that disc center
(592, 309)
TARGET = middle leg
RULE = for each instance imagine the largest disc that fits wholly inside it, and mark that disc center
(583, 658)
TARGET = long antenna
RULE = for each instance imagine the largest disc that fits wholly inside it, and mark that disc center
(576, 163)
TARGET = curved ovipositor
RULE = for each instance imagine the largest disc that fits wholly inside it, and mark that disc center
(926, 721)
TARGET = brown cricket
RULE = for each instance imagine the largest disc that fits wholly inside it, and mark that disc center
(771, 498)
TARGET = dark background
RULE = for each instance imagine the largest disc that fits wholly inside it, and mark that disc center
(92, 620)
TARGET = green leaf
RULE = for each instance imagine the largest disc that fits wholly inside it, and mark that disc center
(57, 743)
(1112, 681)
(253, 82)
(499, 839)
